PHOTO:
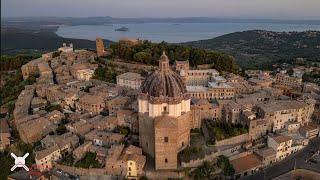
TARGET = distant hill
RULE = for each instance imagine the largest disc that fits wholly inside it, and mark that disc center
(18, 41)
(257, 48)
(32, 22)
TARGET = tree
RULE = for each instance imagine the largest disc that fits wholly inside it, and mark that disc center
(61, 129)
(149, 53)
(125, 130)
(88, 161)
(142, 57)
(223, 162)
(56, 54)
(51, 107)
(290, 72)
(32, 78)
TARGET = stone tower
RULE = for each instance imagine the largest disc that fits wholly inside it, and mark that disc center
(164, 116)
(100, 47)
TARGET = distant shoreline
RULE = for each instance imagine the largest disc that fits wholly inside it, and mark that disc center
(182, 33)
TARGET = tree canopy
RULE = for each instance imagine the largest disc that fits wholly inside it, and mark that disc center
(149, 53)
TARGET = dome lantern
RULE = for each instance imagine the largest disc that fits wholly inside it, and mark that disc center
(164, 62)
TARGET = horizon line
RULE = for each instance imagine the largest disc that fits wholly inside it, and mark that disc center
(177, 17)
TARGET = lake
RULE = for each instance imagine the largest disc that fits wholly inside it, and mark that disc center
(174, 33)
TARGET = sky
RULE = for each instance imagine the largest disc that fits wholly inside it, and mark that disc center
(257, 9)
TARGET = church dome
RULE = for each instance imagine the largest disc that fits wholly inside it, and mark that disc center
(164, 85)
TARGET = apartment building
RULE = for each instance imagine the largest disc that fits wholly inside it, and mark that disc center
(130, 80)
(282, 145)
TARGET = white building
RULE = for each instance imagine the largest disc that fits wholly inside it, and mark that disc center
(45, 158)
(85, 74)
(66, 48)
(198, 77)
(130, 80)
(282, 145)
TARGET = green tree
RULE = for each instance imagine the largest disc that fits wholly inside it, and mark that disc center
(88, 161)
(223, 162)
(142, 57)
(61, 129)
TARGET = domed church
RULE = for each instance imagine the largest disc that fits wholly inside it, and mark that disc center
(164, 116)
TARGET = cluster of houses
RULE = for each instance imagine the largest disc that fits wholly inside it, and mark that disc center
(278, 107)
(92, 111)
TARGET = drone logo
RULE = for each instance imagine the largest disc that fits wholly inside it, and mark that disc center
(19, 161)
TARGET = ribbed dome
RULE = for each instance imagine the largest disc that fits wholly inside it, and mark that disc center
(164, 85)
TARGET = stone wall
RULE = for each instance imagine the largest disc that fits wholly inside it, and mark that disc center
(81, 171)
(233, 140)
(240, 155)
(210, 157)
(199, 162)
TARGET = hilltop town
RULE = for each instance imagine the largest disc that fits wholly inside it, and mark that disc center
(159, 121)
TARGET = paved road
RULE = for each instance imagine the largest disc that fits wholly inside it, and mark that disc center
(60, 176)
(297, 159)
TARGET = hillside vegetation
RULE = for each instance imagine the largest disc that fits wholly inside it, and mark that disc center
(149, 53)
(23, 41)
(257, 49)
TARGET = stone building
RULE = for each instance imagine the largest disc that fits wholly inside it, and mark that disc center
(283, 79)
(242, 88)
(164, 112)
(66, 48)
(100, 47)
(310, 131)
(283, 111)
(214, 91)
(281, 144)
(45, 158)
(130, 80)
(127, 162)
(38, 103)
(55, 147)
(79, 68)
(267, 155)
(91, 104)
(198, 77)
(117, 104)
(246, 165)
(207, 110)
(181, 65)
(44, 69)
(195, 120)
(260, 81)
(259, 128)
(85, 74)
(31, 67)
(207, 84)
(231, 112)
(107, 139)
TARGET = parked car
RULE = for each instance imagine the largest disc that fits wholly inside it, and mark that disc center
(59, 171)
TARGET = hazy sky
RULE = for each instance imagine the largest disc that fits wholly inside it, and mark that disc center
(276, 9)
